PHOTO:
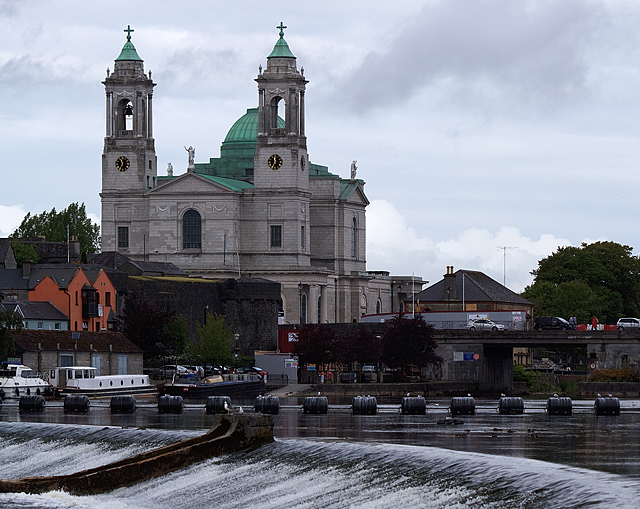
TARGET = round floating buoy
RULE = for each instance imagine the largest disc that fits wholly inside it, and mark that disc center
(315, 405)
(122, 404)
(607, 406)
(170, 404)
(463, 406)
(31, 403)
(218, 405)
(414, 405)
(364, 405)
(511, 405)
(76, 403)
(559, 406)
(267, 404)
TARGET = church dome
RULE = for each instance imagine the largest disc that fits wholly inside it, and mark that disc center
(245, 128)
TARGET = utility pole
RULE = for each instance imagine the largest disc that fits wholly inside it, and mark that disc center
(504, 263)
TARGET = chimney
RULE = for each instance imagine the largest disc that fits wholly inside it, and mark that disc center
(26, 269)
(449, 292)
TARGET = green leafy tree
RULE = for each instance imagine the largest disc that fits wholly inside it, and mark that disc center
(8, 321)
(600, 279)
(176, 336)
(216, 340)
(53, 226)
(364, 346)
(23, 252)
(409, 342)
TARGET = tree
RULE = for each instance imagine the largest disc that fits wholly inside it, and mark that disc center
(409, 342)
(215, 342)
(23, 252)
(53, 226)
(8, 321)
(365, 346)
(317, 344)
(600, 279)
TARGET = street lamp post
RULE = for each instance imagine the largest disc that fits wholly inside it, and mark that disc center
(236, 349)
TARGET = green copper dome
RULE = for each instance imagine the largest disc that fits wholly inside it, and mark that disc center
(245, 128)
(128, 50)
(129, 53)
(281, 49)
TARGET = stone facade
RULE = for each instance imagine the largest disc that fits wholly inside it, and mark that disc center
(262, 209)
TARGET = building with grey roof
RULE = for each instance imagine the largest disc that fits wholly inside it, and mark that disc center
(38, 315)
(469, 290)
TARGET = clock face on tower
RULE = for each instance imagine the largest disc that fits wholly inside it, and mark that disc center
(274, 161)
(122, 163)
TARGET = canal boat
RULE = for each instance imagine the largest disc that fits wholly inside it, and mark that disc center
(83, 380)
(191, 386)
(19, 380)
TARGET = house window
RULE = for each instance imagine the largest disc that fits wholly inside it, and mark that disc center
(76, 297)
(85, 325)
(40, 325)
(75, 326)
(354, 225)
(276, 236)
(56, 326)
(148, 182)
(97, 326)
(66, 360)
(107, 299)
(123, 237)
(191, 230)
(26, 325)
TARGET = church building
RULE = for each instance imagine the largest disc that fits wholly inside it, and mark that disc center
(262, 209)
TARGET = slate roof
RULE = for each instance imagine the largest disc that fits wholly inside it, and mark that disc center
(145, 268)
(478, 287)
(11, 279)
(36, 310)
(28, 340)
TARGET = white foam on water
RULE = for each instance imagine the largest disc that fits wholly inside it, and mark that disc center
(301, 474)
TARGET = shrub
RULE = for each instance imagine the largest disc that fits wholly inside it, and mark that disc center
(614, 375)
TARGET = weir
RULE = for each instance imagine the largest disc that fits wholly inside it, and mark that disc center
(231, 433)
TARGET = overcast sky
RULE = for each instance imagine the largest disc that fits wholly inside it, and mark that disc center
(477, 124)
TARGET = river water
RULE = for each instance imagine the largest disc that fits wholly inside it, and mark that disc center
(342, 461)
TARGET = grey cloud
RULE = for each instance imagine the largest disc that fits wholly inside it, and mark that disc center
(528, 50)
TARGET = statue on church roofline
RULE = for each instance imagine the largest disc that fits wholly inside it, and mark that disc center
(354, 169)
(192, 157)
(170, 170)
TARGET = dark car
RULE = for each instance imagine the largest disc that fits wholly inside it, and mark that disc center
(551, 323)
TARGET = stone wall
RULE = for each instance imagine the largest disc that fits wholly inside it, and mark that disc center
(250, 305)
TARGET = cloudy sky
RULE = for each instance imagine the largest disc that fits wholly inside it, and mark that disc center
(477, 125)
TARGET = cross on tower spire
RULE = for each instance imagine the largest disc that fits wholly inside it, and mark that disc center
(281, 27)
(129, 30)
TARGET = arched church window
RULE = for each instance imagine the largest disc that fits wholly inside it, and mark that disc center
(191, 230)
(354, 227)
(277, 110)
(128, 116)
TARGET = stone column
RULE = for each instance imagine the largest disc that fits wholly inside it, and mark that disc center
(323, 304)
(261, 111)
(108, 113)
(149, 116)
(301, 112)
(312, 304)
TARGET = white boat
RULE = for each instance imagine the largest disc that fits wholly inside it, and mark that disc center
(83, 380)
(19, 380)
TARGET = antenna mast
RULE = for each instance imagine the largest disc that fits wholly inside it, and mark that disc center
(504, 263)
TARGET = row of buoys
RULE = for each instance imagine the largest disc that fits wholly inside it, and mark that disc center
(315, 405)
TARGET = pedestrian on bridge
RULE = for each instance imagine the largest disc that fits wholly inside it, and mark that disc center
(594, 323)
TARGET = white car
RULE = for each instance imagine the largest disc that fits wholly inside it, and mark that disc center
(628, 323)
(485, 324)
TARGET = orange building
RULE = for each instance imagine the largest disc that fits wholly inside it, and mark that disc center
(85, 294)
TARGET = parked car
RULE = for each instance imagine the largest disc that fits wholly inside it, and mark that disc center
(168, 370)
(251, 370)
(198, 370)
(485, 324)
(551, 323)
(628, 323)
(369, 367)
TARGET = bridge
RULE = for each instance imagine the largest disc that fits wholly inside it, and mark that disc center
(486, 357)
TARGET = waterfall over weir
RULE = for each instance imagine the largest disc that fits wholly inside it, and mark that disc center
(339, 460)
